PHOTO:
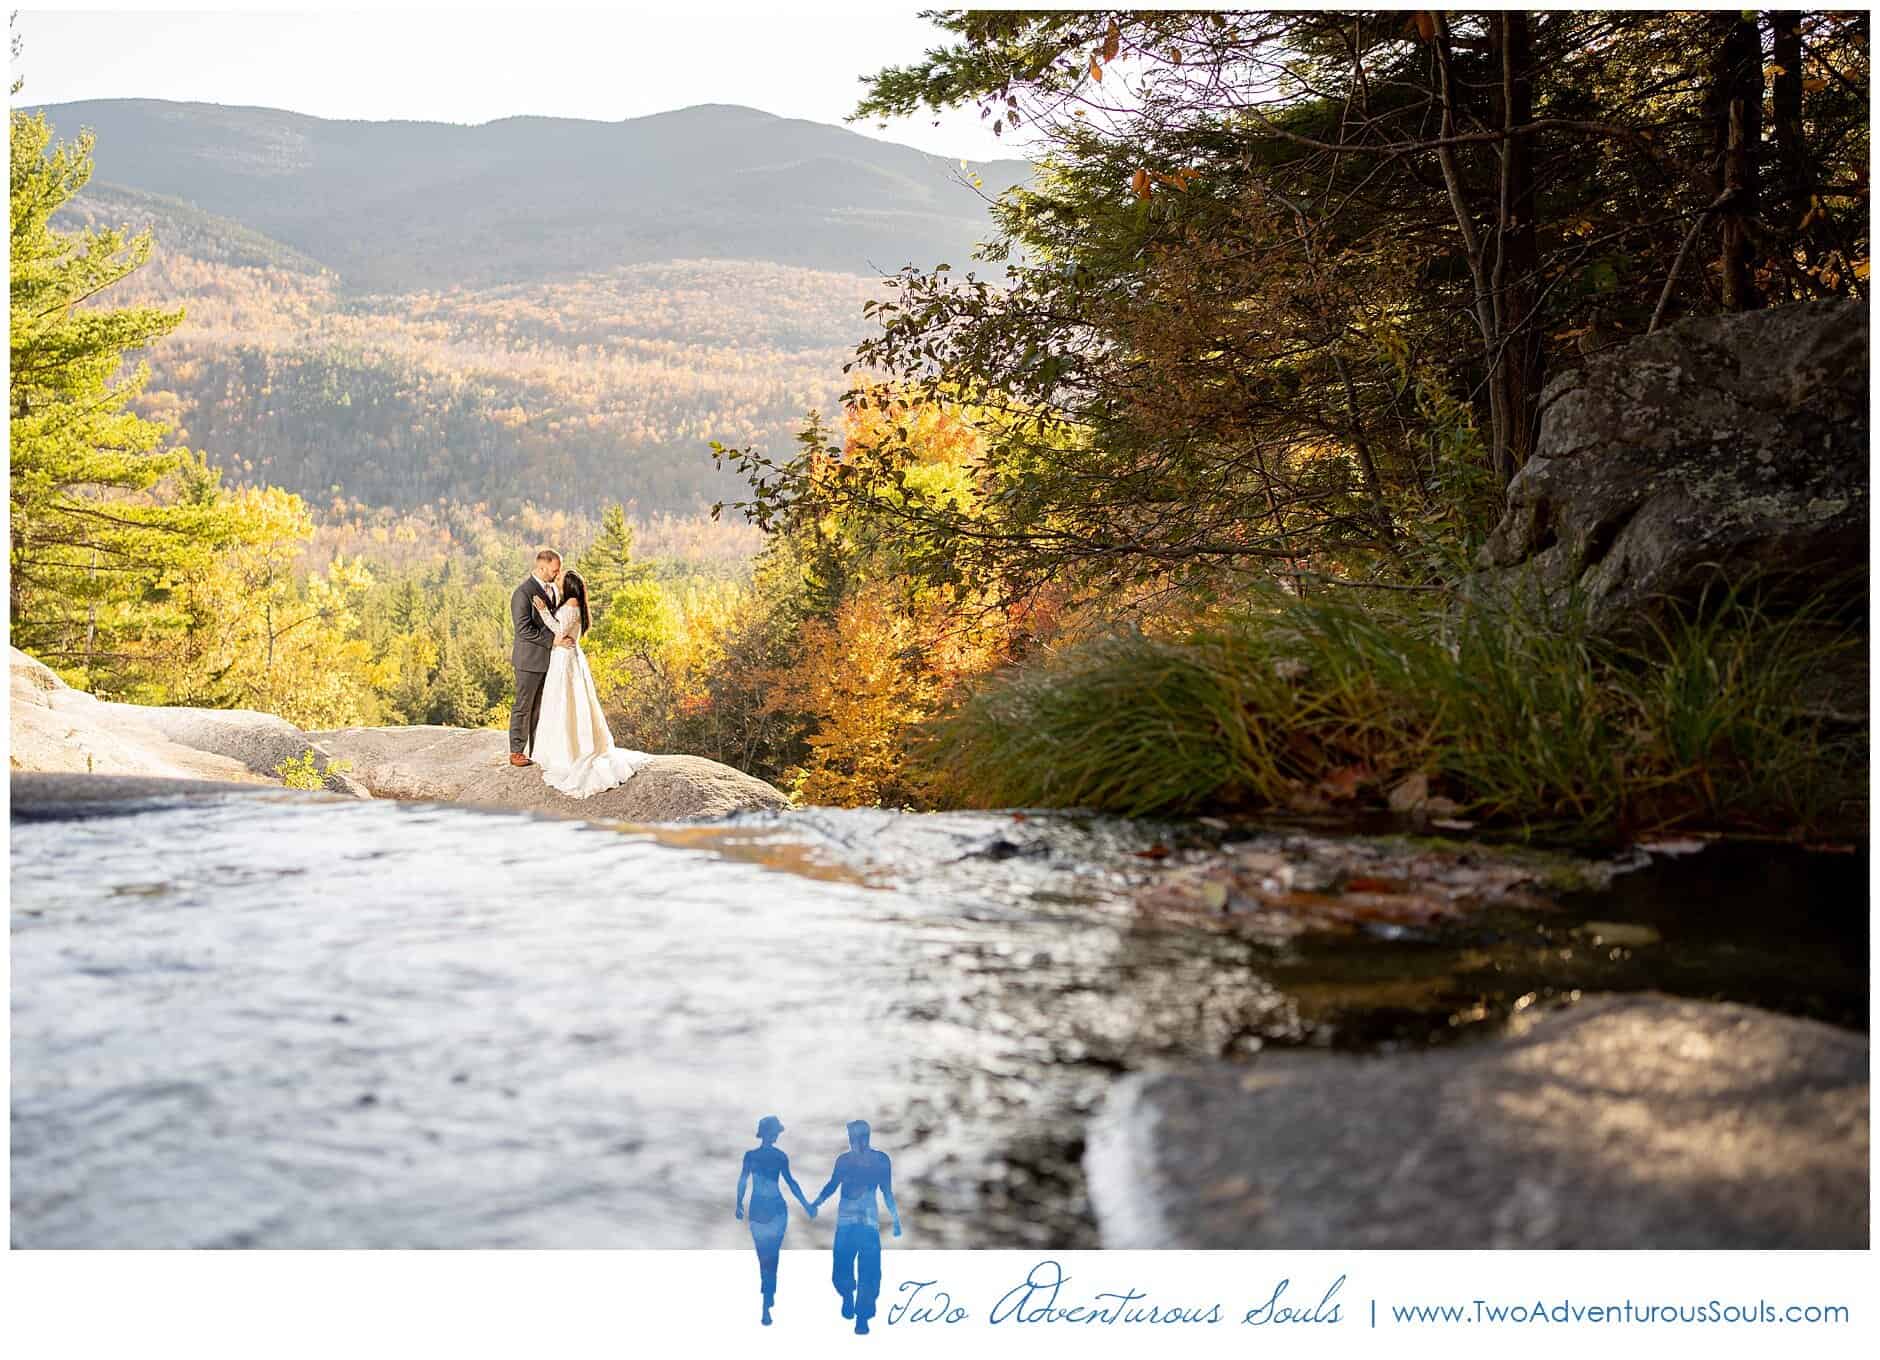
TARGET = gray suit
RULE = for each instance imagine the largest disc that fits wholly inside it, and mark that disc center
(535, 643)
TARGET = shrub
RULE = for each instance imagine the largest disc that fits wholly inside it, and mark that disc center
(304, 771)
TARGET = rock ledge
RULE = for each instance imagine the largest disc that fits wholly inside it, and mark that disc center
(460, 765)
(59, 730)
(1622, 1122)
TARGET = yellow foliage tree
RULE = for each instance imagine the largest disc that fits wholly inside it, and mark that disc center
(245, 628)
(856, 682)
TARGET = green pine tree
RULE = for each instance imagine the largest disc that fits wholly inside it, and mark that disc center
(608, 566)
(99, 523)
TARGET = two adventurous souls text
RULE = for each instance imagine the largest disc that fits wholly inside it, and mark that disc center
(1045, 1297)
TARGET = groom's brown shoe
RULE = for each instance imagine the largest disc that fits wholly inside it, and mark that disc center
(518, 759)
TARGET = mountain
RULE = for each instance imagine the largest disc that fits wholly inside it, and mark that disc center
(535, 310)
(397, 206)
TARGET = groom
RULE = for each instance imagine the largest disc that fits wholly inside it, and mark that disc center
(533, 646)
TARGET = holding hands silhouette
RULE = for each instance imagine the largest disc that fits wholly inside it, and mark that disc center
(764, 1166)
(860, 1173)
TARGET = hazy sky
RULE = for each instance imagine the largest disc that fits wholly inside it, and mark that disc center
(470, 66)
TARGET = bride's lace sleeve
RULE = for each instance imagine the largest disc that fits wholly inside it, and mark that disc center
(568, 620)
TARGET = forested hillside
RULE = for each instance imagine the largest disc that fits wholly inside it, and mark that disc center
(565, 314)
(557, 393)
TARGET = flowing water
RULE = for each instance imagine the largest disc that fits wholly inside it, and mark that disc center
(272, 1021)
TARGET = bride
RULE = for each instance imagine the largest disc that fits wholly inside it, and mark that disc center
(572, 742)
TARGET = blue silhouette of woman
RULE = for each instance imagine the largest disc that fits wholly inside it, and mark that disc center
(770, 1215)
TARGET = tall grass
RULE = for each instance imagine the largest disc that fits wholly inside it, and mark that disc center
(1516, 714)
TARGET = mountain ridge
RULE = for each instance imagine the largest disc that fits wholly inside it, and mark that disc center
(391, 205)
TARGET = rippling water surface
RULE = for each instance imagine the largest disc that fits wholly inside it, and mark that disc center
(278, 1022)
(252, 1023)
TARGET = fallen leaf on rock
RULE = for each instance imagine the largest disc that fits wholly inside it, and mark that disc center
(1234, 1187)
(1342, 783)
(1156, 851)
(1410, 794)
(1362, 883)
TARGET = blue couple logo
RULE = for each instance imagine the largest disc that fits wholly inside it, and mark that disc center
(858, 1173)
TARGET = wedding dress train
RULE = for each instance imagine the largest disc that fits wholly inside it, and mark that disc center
(573, 743)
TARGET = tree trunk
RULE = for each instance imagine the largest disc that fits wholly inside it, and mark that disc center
(1367, 463)
(1736, 132)
(1791, 199)
(1488, 319)
(1517, 257)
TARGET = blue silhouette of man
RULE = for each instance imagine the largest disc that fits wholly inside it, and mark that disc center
(860, 1172)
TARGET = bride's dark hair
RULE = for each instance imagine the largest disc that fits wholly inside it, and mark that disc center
(574, 588)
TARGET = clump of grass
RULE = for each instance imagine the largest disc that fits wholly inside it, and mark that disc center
(1726, 699)
(1125, 724)
(1513, 712)
(304, 771)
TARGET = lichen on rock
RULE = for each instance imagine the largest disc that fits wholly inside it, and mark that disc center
(1719, 448)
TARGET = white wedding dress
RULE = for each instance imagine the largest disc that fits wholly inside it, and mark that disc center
(573, 744)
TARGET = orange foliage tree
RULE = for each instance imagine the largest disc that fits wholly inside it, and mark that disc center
(883, 631)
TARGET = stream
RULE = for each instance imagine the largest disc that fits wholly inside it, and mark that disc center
(274, 1021)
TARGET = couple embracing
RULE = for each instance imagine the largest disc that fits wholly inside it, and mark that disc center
(557, 716)
(858, 1173)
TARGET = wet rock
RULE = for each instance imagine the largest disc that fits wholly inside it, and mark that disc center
(454, 764)
(1291, 882)
(1735, 441)
(57, 796)
(1622, 1122)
